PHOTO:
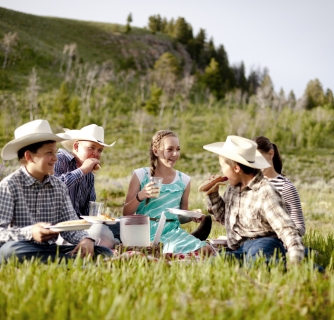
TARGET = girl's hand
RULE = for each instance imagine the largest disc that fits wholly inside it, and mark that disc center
(149, 191)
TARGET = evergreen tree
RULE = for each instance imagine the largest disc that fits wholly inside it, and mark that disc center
(239, 76)
(154, 23)
(314, 94)
(152, 106)
(128, 20)
(329, 99)
(212, 79)
(182, 31)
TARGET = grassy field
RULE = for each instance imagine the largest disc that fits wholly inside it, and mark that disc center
(211, 289)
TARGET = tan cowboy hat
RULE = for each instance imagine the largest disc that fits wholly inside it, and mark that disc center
(241, 150)
(27, 134)
(88, 133)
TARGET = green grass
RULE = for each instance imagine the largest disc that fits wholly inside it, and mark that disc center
(137, 289)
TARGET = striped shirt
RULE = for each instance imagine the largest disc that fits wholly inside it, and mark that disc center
(291, 198)
(80, 186)
(25, 201)
(255, 211)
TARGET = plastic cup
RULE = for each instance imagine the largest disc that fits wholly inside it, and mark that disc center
(157, 186)
(95, 208)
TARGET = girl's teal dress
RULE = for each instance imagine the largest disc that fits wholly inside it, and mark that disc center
(174, 238)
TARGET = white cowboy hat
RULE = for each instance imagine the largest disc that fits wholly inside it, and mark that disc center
(88, 133)
(27, 134)
(241, 150)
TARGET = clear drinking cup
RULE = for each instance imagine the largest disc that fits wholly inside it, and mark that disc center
(95, 208)
(157, 186)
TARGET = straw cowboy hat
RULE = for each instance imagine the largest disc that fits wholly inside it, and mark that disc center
(27, 134)
(241, 150)
(88, 133)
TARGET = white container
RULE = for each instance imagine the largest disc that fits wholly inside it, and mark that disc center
(135, 230)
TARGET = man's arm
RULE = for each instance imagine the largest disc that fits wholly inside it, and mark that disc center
(70, 178)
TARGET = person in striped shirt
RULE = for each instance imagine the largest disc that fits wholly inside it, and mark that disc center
(76, 165)
(284, 186)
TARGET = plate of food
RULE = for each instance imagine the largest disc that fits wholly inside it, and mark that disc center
(220, 241)
(186, 213)
(99, 219)
(72, 225)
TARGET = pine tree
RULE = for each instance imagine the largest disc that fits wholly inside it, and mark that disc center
(314, 94)
(213, 80)
(128, 20)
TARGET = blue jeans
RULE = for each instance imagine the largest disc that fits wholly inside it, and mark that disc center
(115, 229)
(25, 250)
(268, 247)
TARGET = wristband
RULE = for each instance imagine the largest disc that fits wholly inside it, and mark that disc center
(138, 198)
(90, 239)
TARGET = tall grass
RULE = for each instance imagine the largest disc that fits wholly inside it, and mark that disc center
(137, 289)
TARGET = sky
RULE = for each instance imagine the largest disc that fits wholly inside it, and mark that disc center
(294, 39)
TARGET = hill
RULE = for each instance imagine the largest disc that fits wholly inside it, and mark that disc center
(42, 41)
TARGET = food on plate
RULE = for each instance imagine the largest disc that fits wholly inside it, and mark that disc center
(71, 222)
(208, 185)
(106, 217)
(96, 168)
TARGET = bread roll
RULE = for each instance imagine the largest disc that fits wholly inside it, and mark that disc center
(96, 168)
(211, 182)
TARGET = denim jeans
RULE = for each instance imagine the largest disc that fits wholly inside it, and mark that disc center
(268, 247)
(25, 250)
(116, 230)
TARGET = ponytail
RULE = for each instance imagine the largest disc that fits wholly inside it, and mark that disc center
(277, 160)
(265, 145)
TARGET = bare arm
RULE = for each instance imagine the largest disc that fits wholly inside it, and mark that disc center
(185, 198)
(131, 202)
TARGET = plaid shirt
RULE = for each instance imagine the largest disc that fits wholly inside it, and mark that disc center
(80, 186)
(25, 201)
(255, 211)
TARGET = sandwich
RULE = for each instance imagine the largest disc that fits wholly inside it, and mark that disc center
(96, 168)
(210, 184)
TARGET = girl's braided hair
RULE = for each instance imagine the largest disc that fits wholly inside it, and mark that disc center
(155, 144)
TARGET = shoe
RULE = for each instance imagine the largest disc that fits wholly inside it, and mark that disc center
(204, 229)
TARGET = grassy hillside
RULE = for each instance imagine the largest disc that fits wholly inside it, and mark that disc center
(42, 40)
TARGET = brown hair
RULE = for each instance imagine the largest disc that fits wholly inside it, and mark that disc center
(156, 144)
(265, 145)
(32, 148)
(245, 169)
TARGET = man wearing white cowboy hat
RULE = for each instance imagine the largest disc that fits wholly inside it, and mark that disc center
(252, 210)
(75, 167)
(32, 199)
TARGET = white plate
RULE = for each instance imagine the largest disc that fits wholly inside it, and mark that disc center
(96, 219)
(72, 227)
(186, 213)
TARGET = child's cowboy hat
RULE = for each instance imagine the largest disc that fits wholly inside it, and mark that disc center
(89, 133)
(27, 134)
(241, 150)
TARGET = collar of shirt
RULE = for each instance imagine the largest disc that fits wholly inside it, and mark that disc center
(254, 184)
(69, 156)
(29, 180)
